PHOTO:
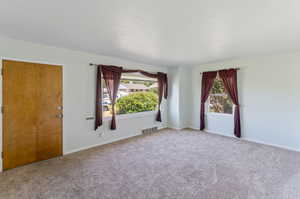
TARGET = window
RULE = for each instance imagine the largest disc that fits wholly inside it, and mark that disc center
(136, 93)
(219, 101)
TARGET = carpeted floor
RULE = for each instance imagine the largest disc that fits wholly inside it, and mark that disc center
(169, 164)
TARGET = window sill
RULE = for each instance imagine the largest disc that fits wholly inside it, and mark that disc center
(132, 115)
(219, 114)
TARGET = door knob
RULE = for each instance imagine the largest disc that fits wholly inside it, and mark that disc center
(59, 108)
(59, 115)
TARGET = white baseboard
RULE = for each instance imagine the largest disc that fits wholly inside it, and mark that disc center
(175, 128)
(107, 142)
(273, 145)
(254, 141)
(195, 128)
(162, 127)
(178, 128)
(100, 144)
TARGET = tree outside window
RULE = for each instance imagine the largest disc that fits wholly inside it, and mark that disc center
(219, 101)
(136, 93)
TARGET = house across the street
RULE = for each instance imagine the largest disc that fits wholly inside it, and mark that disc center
(132, 87)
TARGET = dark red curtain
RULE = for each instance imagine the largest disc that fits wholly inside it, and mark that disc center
(112, 77)
(162, 91)
(229, 78)
(207, 83)
(98, 111)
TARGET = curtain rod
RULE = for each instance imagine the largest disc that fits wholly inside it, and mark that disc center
(221, 69)
(91, 64)
(129, 71)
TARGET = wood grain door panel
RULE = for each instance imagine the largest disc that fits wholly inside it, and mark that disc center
(49, 124)
(31, 94)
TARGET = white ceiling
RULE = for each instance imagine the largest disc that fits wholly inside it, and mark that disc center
(163, 32)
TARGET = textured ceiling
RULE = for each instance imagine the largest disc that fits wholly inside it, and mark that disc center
(163, 32)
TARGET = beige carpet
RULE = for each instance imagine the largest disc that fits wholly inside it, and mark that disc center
(169, 164)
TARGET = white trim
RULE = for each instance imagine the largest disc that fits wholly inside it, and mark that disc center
(195, 128)
(253, 141)
(219, 114)
(246, 139)
(273, 145)
(162, 127)
(107, 142)
(132, 115)
(137, 76)
(100, 144)
(176, 128)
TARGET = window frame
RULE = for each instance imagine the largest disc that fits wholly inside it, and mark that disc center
(128, 115)
(208, 112)
(132, 115)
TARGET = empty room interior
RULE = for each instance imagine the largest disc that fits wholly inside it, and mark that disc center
(141, 99)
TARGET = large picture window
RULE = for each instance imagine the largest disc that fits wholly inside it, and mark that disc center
(219, 101)
(136, 93)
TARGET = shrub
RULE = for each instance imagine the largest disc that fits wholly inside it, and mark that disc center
(137, 102)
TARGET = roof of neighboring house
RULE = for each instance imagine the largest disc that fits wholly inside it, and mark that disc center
(155, 85)
(133, 86)
(122, 86)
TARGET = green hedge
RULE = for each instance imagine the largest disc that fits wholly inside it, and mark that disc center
(137, 102)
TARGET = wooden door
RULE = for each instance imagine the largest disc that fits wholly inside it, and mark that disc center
(32, 112)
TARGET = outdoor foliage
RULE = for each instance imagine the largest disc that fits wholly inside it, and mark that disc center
(154, 90)
(220, 102)
(218, 87)
(137, 102)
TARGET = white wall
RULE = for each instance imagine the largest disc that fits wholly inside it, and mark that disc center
(179, 103)
(79, 95)
(184, 90)
(269, 92)
(173, 103)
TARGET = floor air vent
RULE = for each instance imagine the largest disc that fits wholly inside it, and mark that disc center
(150, 130)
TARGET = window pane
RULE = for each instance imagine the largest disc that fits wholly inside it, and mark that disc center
(220, 104)
(136, 93)
(106, 104)
(219, 101)
(218, 86)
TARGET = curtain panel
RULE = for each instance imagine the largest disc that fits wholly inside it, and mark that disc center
(98, 103)
(229, 78)
(112, 77)
(207, 83)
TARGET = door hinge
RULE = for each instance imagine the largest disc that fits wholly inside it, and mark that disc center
(2, 109)
(2, 71)
(2, 156)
